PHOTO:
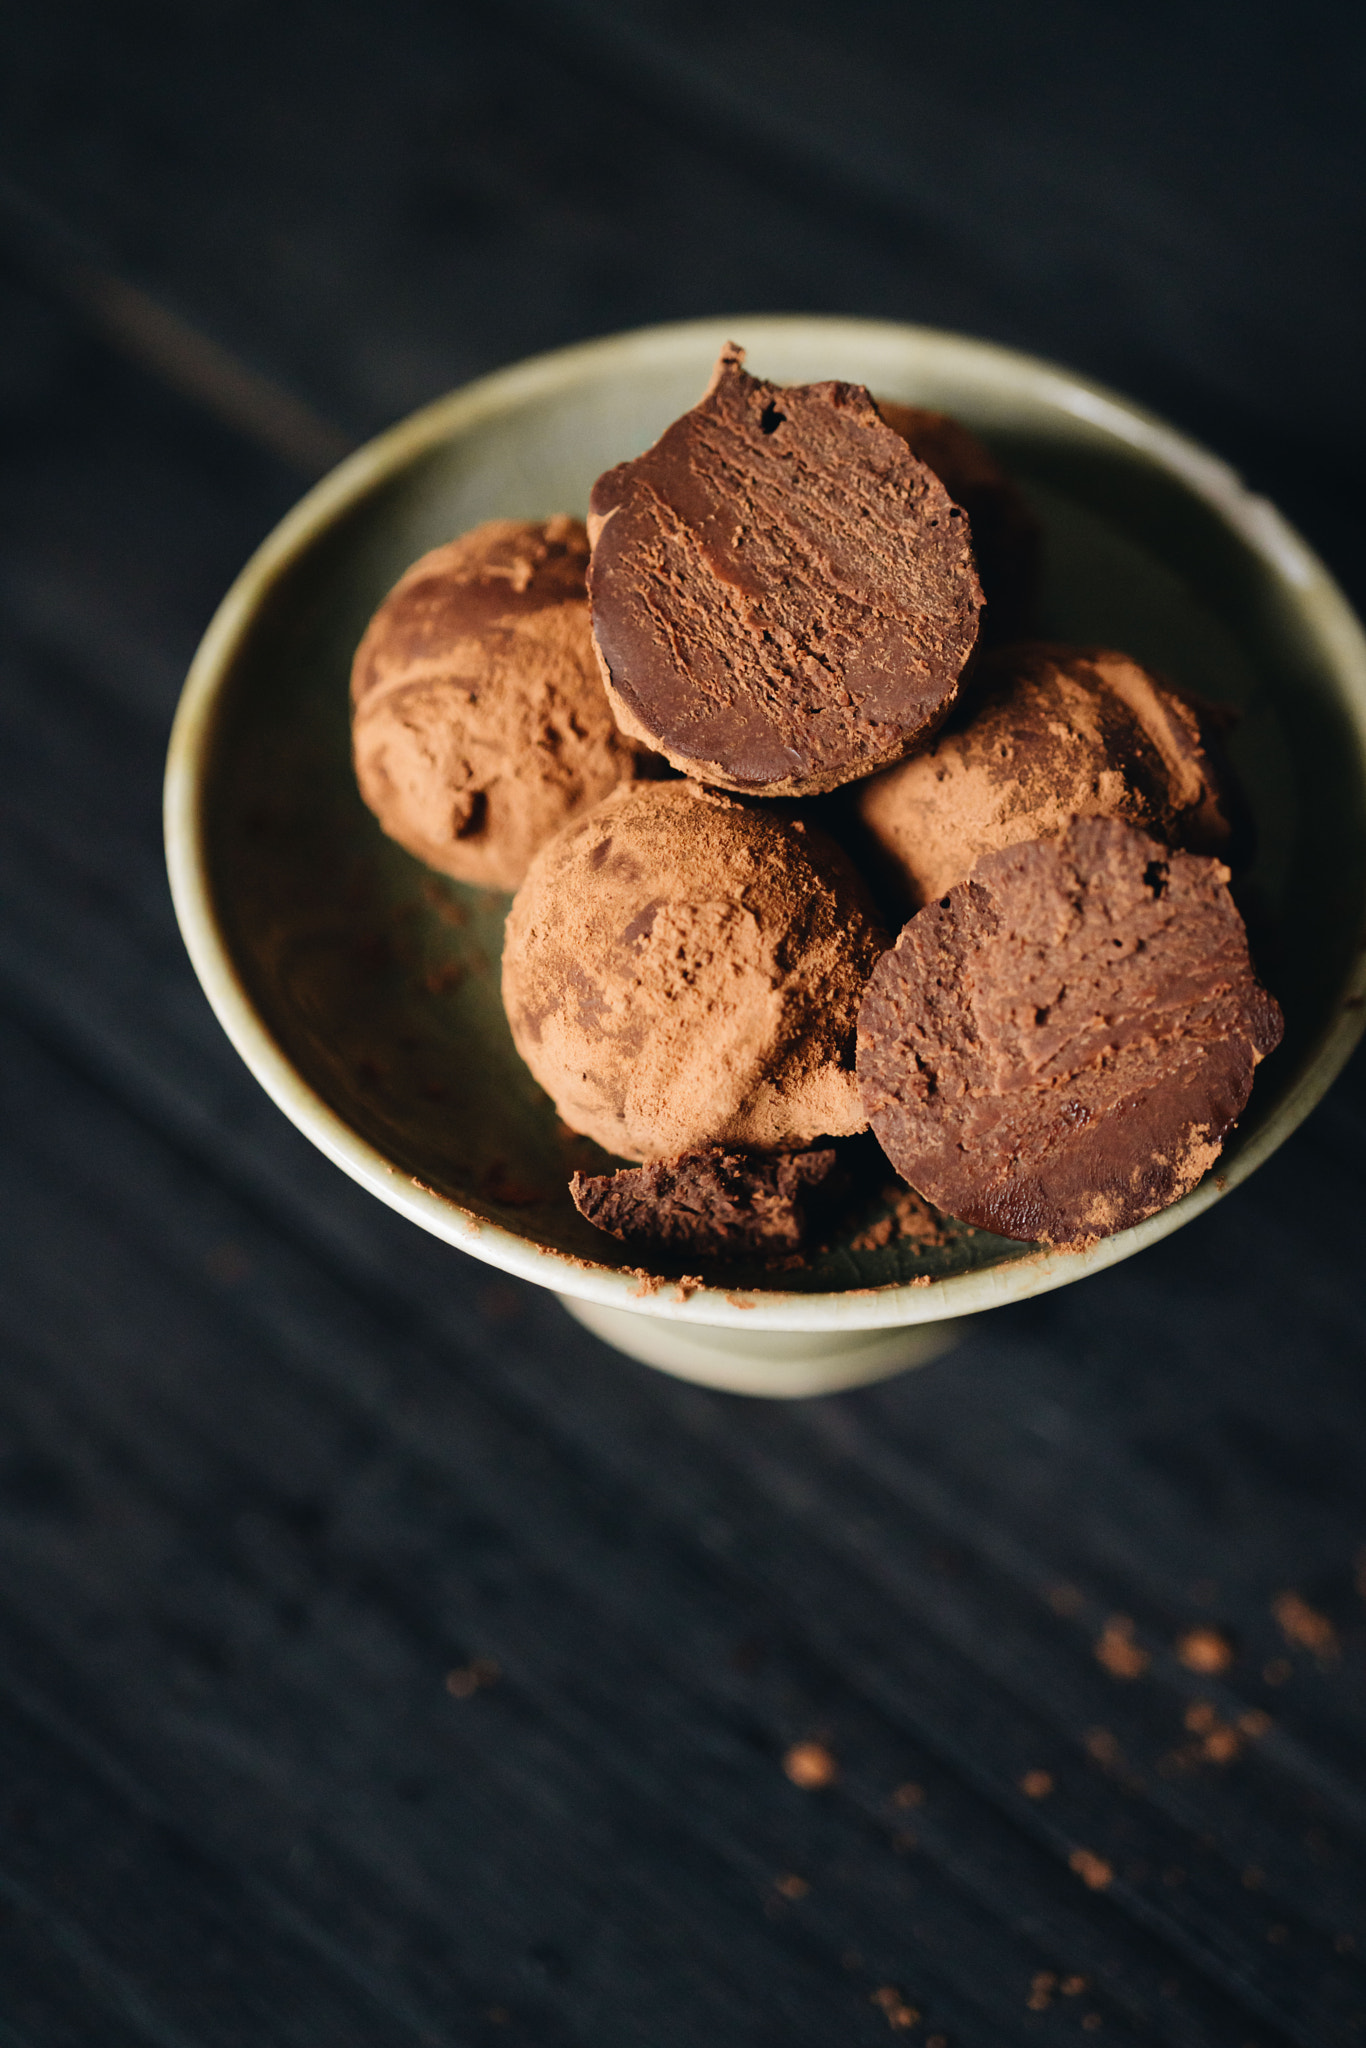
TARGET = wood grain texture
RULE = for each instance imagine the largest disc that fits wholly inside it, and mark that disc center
(273, 1465)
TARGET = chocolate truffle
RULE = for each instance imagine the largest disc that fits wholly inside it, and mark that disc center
(682, 970)
(1005, 534)
(1059, 1047)
(1048, 734)
(712, 1205)
(480, 725)
(783, 596)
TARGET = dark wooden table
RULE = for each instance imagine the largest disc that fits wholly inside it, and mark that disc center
(382, 1660)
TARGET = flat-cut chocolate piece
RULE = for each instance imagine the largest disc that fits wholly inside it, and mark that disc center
(479, 721)
(1059, 1047)
(1043, 735)
(712, 1204)
(1005, 533)
(783, 596)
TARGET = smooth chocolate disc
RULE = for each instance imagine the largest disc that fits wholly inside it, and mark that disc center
(1059, 1046)
(783, 596)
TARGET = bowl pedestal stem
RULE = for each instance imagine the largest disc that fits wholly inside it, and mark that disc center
(782, 1364)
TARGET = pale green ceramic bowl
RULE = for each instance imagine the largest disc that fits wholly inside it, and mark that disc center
(362, 991)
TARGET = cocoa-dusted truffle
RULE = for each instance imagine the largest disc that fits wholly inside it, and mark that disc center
(480, 725)
(684, 970)
(783, 596)
(1005, 534)
(1059, 1048)
(1048, 734)
(712, 1205)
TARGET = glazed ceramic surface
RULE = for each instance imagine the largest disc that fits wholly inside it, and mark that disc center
(363, 990)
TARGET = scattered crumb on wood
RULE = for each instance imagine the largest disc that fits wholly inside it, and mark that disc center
(811, 1766)
(1219, 1741)
(1118, 1652)
(1094, 1872)
(468, 1679)
(1204, 1649)
(898, 2013)
(1304, 1627)
(1042, 1985)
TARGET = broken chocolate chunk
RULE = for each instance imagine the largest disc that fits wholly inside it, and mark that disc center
(713, 1204)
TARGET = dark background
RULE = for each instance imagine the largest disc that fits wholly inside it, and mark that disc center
(273, 1464)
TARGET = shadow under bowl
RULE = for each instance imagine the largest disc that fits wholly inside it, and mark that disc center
(363, 990)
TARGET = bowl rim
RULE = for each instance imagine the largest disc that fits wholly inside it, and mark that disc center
(1284, 555)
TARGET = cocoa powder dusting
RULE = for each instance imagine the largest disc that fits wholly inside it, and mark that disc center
(683, 970)
(480, 724)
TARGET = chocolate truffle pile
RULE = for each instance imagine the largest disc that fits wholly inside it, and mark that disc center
(796, 589)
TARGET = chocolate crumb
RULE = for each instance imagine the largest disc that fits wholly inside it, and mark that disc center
(1041, 1988)
(1117, 1650)
(910, 1220)
(1304, 1627)
(1094, 1872)
(898, 2013)
(1205, 1649)
(811, 1766)
(468, 1679)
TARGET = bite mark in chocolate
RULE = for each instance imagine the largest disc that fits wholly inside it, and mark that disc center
(1059, 1047)
(712, 1204)
(783, 596)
